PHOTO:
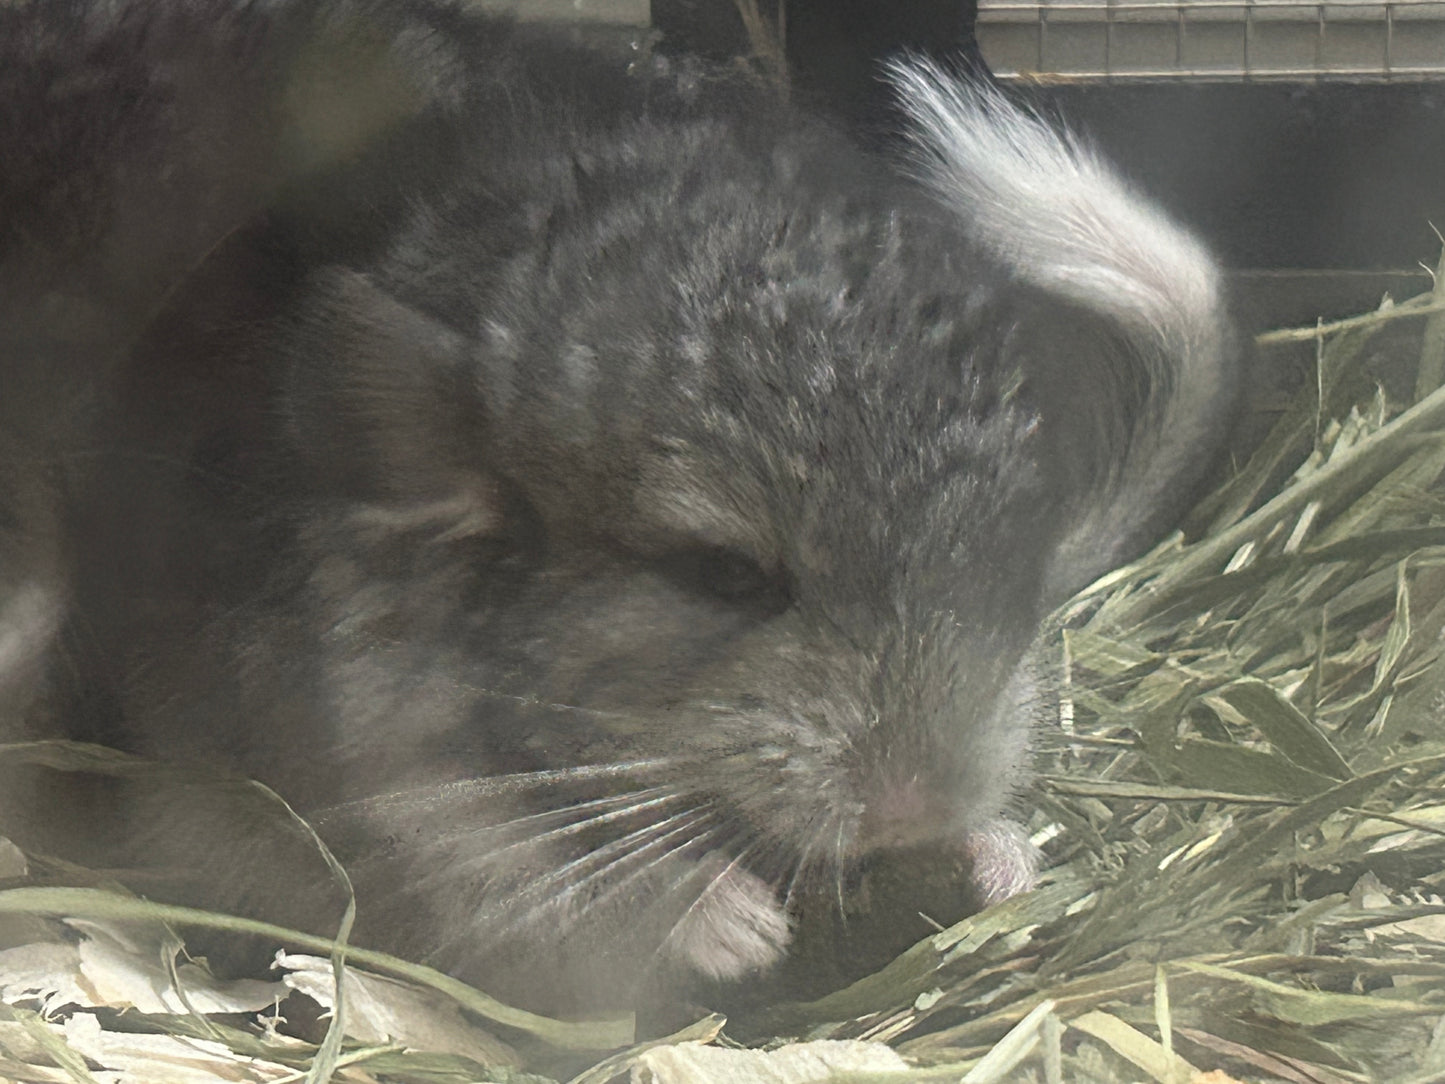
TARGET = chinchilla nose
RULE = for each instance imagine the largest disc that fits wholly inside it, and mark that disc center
(947, 750)
(901, 812)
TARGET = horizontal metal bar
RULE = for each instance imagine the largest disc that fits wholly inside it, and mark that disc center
(1233, 75)
(1312, 7)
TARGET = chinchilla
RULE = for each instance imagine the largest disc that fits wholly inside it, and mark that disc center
(613, 504)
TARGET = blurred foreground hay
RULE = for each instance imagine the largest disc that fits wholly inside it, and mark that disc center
(1242, 800)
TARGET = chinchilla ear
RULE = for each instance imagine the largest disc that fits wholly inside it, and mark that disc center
(1134, 363)
(378, 400)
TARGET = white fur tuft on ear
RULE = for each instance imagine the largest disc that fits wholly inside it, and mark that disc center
(1047, 205)
(1060, 219)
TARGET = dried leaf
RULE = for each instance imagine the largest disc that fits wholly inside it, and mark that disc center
(380, 1010)
(795, 1063)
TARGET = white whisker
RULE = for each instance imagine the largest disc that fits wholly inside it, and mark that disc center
(632, 802)
(609, 853)
(435, 794)
(538, 702)
(706, 837)
(607, 816)
(649, 799)
(804, 856)
(611, 861)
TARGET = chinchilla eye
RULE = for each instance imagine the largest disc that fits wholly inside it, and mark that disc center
(729, 575)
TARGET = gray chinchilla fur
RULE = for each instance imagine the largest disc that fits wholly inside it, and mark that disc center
(612, 504)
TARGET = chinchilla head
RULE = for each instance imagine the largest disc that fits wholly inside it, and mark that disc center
(711, 532)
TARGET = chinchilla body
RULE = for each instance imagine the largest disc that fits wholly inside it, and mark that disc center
(610, 503)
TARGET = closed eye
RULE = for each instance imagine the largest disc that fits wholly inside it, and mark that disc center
(728, 575)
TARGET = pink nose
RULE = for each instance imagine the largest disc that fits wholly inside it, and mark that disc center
(901, 813)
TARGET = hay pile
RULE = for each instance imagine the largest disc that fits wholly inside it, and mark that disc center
(1242, 801)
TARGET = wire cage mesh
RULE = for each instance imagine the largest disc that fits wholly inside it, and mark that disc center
(1220, 40)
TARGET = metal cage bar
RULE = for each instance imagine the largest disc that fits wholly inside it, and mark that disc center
(1237, 40)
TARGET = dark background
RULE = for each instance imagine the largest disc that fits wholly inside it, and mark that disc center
(1328, 175)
